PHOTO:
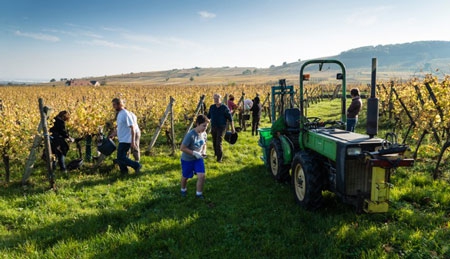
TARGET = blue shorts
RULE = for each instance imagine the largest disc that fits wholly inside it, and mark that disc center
(188, 168)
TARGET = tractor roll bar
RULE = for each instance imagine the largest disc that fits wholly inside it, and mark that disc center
(344, 84)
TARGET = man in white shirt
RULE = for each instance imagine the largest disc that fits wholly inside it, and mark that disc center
(137, 138)
(126, 135)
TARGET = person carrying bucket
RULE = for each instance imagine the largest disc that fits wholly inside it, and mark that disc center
(126, 135)
(219, 115)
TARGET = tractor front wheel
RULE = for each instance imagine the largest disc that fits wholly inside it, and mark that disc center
(307, 181)
(279, 170)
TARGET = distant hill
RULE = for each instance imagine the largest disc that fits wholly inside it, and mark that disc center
(420, 56)
(426, 55)
(396, 60)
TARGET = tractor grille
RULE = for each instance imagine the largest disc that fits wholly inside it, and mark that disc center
(357, 177)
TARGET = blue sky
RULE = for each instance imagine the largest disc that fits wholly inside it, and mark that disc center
(47, 39)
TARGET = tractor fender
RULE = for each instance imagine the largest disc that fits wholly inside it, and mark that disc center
(287, 147)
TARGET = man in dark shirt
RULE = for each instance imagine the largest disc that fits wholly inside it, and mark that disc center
(353, 110)
(219, 115)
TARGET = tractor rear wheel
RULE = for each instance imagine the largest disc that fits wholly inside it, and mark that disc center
(279, 170)
(307, 181)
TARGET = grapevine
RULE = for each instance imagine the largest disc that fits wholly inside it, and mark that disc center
(90, 108)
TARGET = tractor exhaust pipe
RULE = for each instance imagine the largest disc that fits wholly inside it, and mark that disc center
(372, 104)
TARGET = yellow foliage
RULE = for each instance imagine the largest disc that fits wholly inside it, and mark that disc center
(91, 107)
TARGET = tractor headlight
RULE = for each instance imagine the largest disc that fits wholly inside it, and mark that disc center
(354, 151)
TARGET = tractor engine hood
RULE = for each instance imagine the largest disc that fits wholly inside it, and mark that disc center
(347, 137)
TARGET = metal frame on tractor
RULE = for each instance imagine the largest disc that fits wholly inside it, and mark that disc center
(320, 156)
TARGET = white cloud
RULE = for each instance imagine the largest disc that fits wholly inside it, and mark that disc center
(37, 36)
(71, 24)
(207, 15)
(104, 43)
(91, 34)
(61, 32)
(142, 38)
(111, 44)
(114, 29)
(75, 33)
(166, 41)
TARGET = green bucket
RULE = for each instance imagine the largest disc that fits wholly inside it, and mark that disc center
(265, 156)
(265, 137)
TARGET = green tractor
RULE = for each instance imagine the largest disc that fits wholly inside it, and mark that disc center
(321, 156)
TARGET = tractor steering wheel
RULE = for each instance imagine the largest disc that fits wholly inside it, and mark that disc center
(339, 123)
(312, 119)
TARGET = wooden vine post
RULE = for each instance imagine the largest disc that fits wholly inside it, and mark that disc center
(412, 124)
(225, 100)
(32, 157)
(5, 156)
(241, 100)
(169, 110)
(390, 103)
(197, 110)
(44, 112)
(441, 154)
(242, 112)
(172, 129)
(264, 104)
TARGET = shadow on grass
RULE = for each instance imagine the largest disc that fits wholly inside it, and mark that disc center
(246, 214)
(83, 227)
(114, 175)
(107, 174)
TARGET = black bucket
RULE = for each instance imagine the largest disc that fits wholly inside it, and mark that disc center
(75, 164)
(107, 147)
(230, 137)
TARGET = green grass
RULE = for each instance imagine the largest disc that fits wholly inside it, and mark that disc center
(246, 214)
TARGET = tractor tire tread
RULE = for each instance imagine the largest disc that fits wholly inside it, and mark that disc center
(314, 181)
(283, 170)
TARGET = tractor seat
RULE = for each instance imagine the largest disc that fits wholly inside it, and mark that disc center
(292, 120)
